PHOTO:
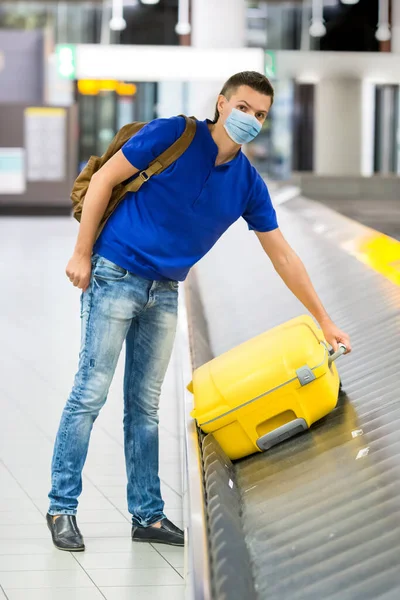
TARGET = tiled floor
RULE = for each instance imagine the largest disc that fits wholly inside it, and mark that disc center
(39, 341)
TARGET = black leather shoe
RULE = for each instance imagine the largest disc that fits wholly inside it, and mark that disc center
(65, 533)
(168, 533)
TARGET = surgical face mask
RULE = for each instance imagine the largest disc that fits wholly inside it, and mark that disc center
(241, 127)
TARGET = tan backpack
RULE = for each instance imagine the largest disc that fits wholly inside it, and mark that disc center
(158, 165)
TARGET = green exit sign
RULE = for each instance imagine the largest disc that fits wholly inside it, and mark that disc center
(66, 60)
(270, 64)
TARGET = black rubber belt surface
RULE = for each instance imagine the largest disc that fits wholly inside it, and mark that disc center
(228, 556)
(321, 512)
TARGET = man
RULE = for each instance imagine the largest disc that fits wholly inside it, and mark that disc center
(129, 279)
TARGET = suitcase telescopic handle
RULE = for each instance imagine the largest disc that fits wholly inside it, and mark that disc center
(341, 350)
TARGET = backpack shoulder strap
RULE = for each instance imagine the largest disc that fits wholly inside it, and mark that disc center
(169, 156)
(172, 153)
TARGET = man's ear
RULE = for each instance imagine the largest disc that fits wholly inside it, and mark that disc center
(221, 104)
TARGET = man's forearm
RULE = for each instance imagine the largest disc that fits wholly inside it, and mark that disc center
(295, 276)
(96, 201)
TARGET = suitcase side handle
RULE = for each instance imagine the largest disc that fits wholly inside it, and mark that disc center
(281, 433)
(341, 350)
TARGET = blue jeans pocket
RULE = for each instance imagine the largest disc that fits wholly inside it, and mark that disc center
(174, 285)
(108, 271)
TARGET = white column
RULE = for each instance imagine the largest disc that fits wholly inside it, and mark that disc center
(201, 99)
(338, 127)
(170, 98)
(215, 24)
(396, 26)
(218, 23)
(368, 128)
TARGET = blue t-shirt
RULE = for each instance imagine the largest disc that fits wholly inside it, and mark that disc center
(176, 217)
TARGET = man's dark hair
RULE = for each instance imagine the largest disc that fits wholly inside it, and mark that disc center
(256, 81)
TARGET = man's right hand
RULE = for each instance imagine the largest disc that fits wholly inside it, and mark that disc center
(116, 170)
(79, 270)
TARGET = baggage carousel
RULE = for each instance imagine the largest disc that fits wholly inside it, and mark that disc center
(317, 517)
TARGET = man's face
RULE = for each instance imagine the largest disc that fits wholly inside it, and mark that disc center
(246, 100)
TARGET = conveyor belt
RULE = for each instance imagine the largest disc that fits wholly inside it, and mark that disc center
(320, 513)
(383, 215)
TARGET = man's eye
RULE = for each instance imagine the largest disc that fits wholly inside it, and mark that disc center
(242, 107)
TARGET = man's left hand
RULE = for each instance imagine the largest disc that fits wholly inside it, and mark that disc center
(335, 336)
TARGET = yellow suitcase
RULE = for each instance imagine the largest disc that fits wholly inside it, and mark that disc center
(267, 389)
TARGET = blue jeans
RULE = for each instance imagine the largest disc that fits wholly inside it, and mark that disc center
(118, 306)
